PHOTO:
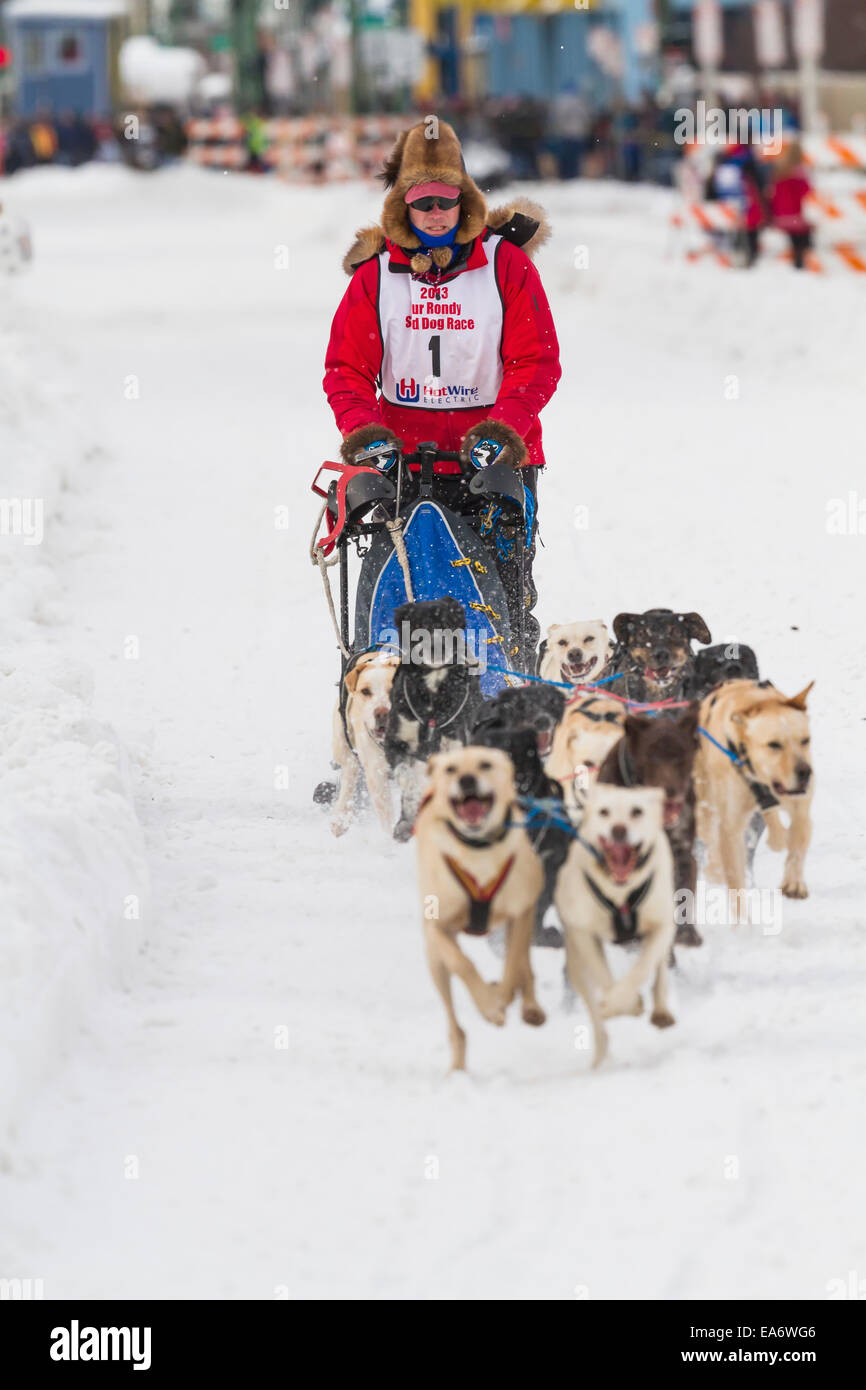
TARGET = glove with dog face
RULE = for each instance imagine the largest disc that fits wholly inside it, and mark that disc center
(374, 445)
(492, 442)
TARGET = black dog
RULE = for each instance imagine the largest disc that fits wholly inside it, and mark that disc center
(546, 817)
(521, 721)
(434, 698)
(729, 661)
(537, 707)
(654, 658)
(659, 751)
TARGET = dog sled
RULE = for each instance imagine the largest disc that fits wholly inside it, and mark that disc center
(418, 535)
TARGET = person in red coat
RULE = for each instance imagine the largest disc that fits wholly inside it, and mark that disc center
(789, 191)
(445, 332)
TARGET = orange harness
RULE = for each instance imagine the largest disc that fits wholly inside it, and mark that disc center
(481, 895)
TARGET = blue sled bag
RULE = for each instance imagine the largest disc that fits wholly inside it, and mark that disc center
(445, 557)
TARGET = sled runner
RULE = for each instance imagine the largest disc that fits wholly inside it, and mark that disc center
(414, 546)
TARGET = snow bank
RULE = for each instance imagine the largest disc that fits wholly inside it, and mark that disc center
(72, 868)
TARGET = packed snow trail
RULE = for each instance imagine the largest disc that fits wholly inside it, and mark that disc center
(265, 1112)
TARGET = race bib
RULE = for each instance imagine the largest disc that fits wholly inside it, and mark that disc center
(441, 342)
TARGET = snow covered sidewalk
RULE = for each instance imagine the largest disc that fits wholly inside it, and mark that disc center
(72, 865)
(265, 1113)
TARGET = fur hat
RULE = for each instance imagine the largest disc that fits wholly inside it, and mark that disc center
(429, 152)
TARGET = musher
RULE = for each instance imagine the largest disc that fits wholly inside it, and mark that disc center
(445, 334)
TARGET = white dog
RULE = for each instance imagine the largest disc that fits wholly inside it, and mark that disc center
(575, 652)
(359, 735)
(617, 885)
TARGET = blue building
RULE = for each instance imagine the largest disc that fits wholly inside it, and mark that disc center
(546, 47)
(64, 54)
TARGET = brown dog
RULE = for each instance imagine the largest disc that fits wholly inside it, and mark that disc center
(360, 725)
(768, 735)
(476, 869)
(660, 751)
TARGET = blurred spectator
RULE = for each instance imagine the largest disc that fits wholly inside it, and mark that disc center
(598, 163)
(138, 142)
(523, 124)
(76, 143)
(569, 126)
(171, 138)
(737, 179)
(628, 137)
(43, 137)
(789, 190)
(106, 140)
(19, 148)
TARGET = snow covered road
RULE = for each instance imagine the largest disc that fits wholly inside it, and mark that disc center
(264, 1111)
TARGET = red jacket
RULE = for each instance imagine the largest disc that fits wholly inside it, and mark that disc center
(522, 335)
(787, 198)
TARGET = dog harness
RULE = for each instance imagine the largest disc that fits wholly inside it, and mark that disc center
(481, 895)
(765, 798)
(623, 916)
(625, 763)
(609, 716)
(430, 721)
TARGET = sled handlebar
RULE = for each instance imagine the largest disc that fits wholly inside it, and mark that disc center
(424, 451)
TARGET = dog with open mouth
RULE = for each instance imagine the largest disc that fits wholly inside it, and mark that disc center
(654, 658)
(617, 886)
(767, 739)
(434, 698)
(539, 707)
(575, 652)
(476, 870)
(660, 751)
(360, 725)
(588, 729)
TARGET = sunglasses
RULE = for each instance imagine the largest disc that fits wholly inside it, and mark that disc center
(428, 204)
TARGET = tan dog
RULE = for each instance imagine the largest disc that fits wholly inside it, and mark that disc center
(575, 652)
(582, 739)
(617, 885)
(770, 735)
(476, 869)
(367, 694)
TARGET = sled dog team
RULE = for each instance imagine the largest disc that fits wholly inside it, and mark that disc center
(580, 798)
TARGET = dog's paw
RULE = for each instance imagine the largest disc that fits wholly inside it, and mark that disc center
(689, 936)
(795, 888)
(493, 1005)
(660, 1018)
(403, 831)
(533, 1014)
(339, 825)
